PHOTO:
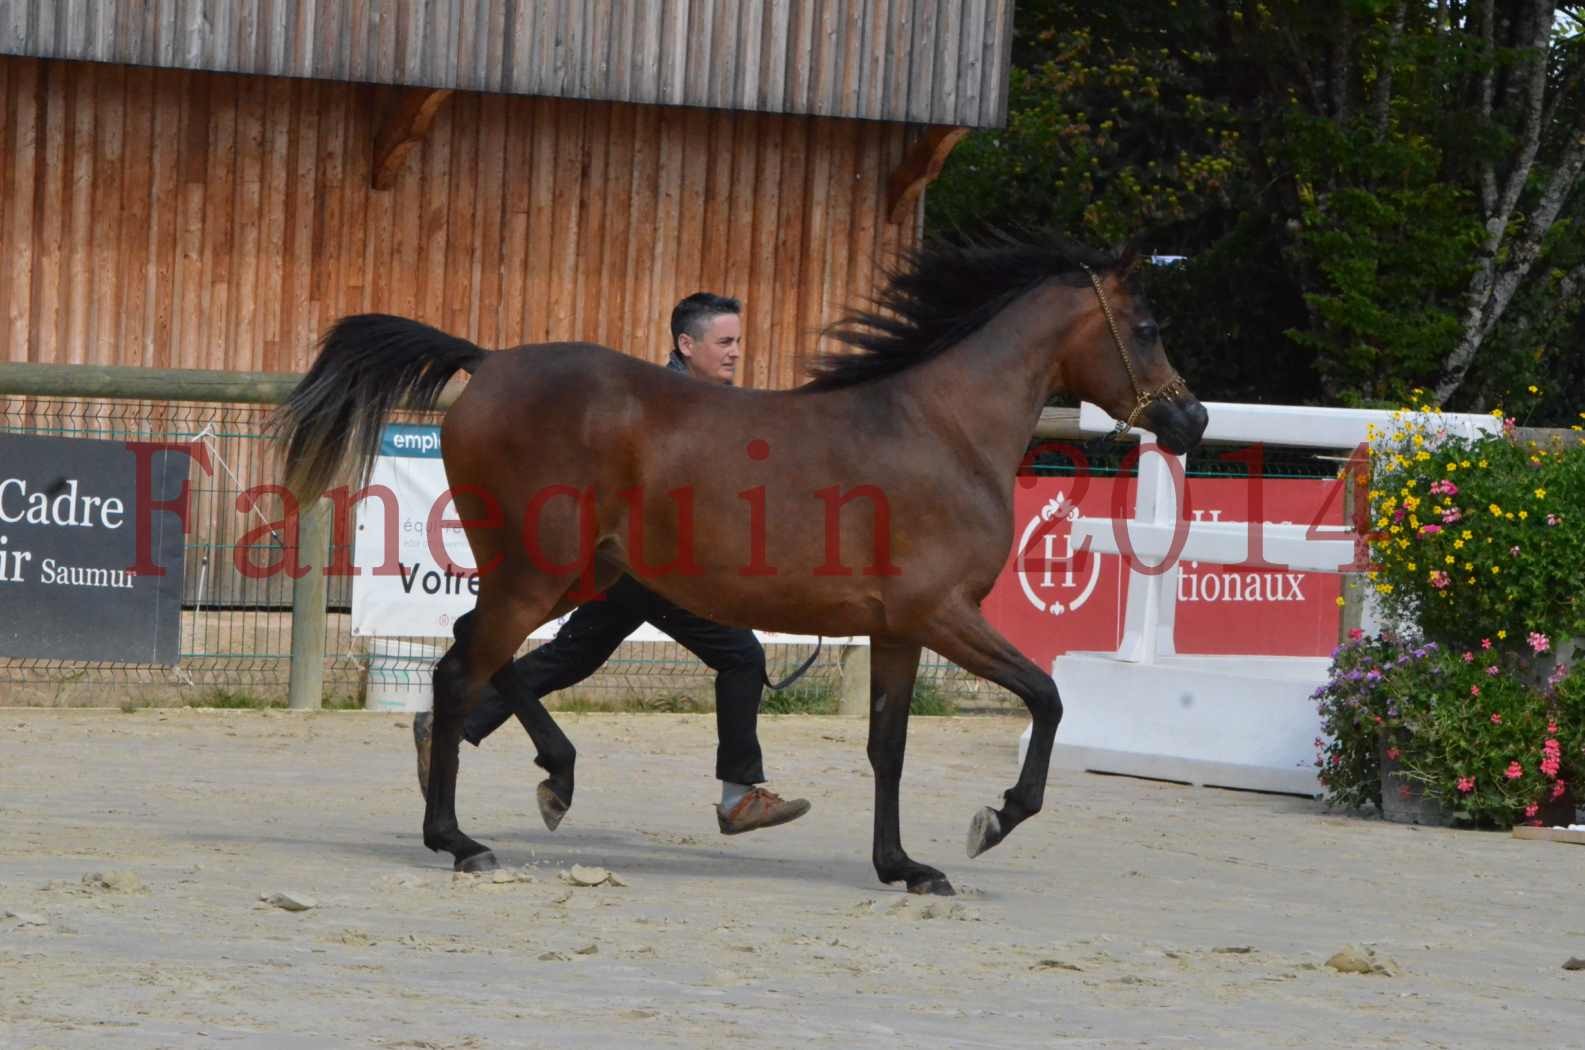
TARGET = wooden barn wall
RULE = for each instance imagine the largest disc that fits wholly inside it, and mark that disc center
(922, 61)
(197, 220)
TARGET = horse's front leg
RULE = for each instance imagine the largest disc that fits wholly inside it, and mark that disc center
(893, 665)
(961, 635)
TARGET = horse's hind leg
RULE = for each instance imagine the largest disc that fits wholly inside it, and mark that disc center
(893, 666)
(962, 636)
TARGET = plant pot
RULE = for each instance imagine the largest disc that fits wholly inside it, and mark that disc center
(1558, 812)
(1402, 800)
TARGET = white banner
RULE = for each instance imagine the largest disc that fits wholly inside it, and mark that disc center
(422, 599)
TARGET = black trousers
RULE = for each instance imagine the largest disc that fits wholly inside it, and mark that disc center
(592, 633)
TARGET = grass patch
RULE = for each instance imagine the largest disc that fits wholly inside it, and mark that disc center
(929, 701)
(813, 699)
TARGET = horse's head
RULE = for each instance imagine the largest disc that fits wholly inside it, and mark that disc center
(1119, 363)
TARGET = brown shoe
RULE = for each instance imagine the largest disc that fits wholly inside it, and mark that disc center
(759, 808)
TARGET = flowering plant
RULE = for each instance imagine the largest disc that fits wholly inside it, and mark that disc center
(1478, 537)
(1466, 728)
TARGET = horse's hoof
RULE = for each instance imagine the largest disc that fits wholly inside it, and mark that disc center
(985, 831)
(551, 807)
(478, 862)
(933, 886)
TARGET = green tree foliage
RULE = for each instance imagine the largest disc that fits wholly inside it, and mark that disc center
(1371, 195)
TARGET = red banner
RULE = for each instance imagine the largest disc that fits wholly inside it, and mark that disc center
(1051, 599)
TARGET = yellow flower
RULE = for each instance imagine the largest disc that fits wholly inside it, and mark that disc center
(1384, 588)
(1495, 509)
(1469, 566)
(1412, 568)
(1523, 514)
(1502, 634)
(1496, 568)
(1540, 493)
(1396, 529)
(1421, 456)
(1464, 463)
(1451, 466)
(1450, 559)
(1458, 544)
(1468, 535)
(1340, 601)
(1418, 441)
(1496, 413)
(1533, 389)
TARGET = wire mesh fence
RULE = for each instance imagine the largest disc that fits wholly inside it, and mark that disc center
(236, 621)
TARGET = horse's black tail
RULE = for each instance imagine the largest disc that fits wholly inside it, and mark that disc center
(368, 365)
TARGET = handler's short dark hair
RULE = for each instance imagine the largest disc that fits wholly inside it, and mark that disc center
(691, 314)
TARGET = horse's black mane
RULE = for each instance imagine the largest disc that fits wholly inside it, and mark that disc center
(939, 293)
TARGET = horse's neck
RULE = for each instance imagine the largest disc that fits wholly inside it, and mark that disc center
(989, 389)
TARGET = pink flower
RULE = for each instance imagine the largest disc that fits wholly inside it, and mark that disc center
(1393, 753)
(1531, 810)
(1558, 789)
(1539, 642)
(1397, 515)
(1514, 551)
(1496, 719)
(1451, 516)
(1485, 643)
(1466, 784)
(1469, 658)
(1440, 580)
(1474, 690)
(1559, 673)
(1551, 727)
(1552, 519)
(1514, 771)
(1494, 671)
(1430, 530)
(1356, 633)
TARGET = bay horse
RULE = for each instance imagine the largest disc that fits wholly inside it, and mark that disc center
(572, 463)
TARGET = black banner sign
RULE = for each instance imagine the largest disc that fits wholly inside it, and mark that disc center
(91, 541)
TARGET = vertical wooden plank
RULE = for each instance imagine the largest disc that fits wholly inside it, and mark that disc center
(190, 293)
(774, 45)
(899, 51)
(816, 243)
(247, 222)
(220, 262)
(457, 280)
(763, 302)
(520, 131)
(997, 63)
(971, 50)
(491, 229)
(302, 175)
(135, 342)
(869, 201)
(576, 73)
(636, 335)
(430, 271)
(801, 32)
(838, 242)
(517, 58)
(566, 231)
(548, 116)
(20, 96)
(788, 337)
(850, 64)
(721, 223)
(80, 223)
(744, 91)
(329, 185)
(737, 245)
(669, 214)
(872, 63)
(589, 296)
(272, 244)
(611, 284)
(697, 171)
(109, 99)
(45, 327)
(922, 58)
(698, 53)
(827, 52)
(948, 42)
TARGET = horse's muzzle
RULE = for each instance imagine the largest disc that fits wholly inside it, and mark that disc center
(1177, 424)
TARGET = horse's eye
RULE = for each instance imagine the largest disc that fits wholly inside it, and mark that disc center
(1148, 331)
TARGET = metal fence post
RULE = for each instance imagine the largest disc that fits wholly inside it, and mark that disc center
(305, 690)
(855, 696)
